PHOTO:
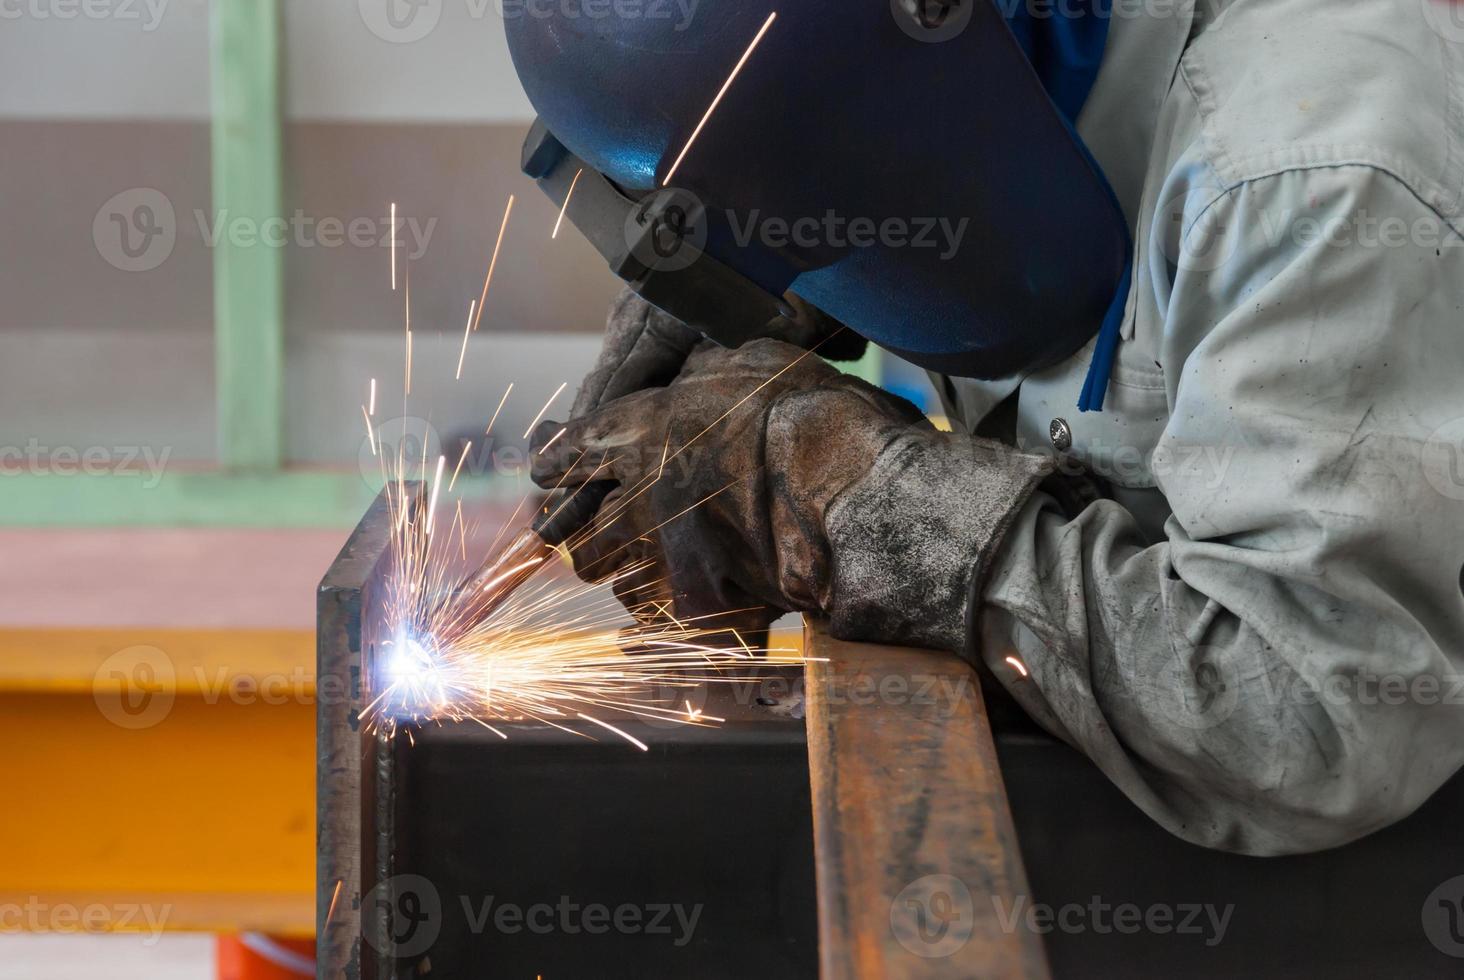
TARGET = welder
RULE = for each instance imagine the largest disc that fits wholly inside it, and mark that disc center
(1202, 510)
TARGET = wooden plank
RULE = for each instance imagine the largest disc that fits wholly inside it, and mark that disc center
(248, 275)
(918, 869)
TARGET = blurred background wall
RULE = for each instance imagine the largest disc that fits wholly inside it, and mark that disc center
(109, 343)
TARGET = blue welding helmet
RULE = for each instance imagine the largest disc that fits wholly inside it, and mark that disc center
(896, 163)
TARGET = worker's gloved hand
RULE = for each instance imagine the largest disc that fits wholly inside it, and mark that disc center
(787, 486)
(645, 348)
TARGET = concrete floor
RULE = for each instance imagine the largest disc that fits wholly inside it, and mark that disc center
(175, 956)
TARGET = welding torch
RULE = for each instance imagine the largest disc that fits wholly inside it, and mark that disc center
(564, 513)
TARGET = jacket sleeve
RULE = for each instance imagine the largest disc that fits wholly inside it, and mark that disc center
(1282, 673)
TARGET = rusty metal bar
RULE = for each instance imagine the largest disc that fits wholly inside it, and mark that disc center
(915, 851)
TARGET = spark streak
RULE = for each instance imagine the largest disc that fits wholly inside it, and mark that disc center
(372, 401)
(436, 486)
(530, 429)
(625, 735)
(458, 468)
(725, 86)
(494, 260)
(565, 206)
(370, 436)
(552, 440)
(467, 331)
(1018, 665)
(501, 401)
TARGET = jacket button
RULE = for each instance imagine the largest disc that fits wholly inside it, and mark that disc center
(1061, 434)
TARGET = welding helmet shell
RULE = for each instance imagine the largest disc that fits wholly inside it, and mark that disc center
(901, 169)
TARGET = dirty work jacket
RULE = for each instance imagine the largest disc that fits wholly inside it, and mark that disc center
(1260, 636)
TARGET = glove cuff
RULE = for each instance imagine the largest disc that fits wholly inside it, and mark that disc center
(912, 541)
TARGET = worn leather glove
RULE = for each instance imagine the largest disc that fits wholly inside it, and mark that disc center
(645, 348)
(763, 481)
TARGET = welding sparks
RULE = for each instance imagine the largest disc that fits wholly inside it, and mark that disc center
(530, 429)
(458, 468)
(1018, 665)
(565, 206)
(525, 646)
(370, 435)
(489, 431)
(552, 440)
(467, 331)
(334, 897)
(625, 735)
(493, 262)
(723, 91)
(436, 487)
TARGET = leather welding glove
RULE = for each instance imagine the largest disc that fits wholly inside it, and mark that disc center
(645, 348)
(765, 481)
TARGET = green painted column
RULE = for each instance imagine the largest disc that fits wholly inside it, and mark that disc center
(248, 269)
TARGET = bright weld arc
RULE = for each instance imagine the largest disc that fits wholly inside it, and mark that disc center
(725, 86)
